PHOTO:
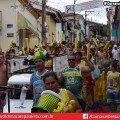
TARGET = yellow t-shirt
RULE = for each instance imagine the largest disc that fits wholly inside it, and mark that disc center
(113, 80)
(64, 95)
(100, 88)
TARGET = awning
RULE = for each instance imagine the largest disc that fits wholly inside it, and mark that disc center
(32, 29)
(23, 23)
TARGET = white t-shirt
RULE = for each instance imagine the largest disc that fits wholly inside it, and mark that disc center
(115, 54)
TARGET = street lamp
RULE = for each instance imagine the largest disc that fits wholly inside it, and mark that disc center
(86, 20)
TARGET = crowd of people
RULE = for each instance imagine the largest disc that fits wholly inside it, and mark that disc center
(91, 80)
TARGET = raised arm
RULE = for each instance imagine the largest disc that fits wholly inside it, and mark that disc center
(30, 87)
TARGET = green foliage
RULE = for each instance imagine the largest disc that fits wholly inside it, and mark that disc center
(99, 30)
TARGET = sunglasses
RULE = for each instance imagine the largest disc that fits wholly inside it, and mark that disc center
(71, 59)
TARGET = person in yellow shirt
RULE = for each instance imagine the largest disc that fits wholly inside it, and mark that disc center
(100, 87)
(113, 87)
(100, 56)
(87, 81)
(52, 83)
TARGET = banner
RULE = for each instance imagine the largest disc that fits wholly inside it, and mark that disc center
(60, 116)
(17, 64)
(60, 63)
(83, 6)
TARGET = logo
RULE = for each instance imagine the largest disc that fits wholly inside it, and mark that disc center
(85, 116)
(108, 3)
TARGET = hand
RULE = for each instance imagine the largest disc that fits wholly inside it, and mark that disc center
(24, 89)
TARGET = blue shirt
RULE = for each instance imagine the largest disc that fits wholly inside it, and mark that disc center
(38, 86)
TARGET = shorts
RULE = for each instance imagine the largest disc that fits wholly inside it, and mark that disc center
(113, 96)
(2, 100)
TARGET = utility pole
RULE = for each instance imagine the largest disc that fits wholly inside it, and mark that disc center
(86, 19)
(43, 21)
(74, 13)
(74, 20)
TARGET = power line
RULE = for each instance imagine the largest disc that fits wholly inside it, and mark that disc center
(58, 3)
(98, 12)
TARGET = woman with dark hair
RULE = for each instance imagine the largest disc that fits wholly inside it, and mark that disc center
(79, 61)
(51, 82)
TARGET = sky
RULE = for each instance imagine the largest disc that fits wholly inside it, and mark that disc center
(99, 14)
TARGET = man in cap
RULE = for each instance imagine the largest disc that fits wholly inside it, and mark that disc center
(36, 82)
(71, 78)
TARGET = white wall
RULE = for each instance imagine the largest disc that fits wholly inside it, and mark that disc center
(87, 29)
(81, 21)
(8, 17)
(27, 15)
(58, 31)
(111, 20)
(31, 19)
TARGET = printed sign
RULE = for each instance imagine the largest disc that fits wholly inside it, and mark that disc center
(10, 34)
(60, 63)
(9, 25)
(83, 6)
(17, 64)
